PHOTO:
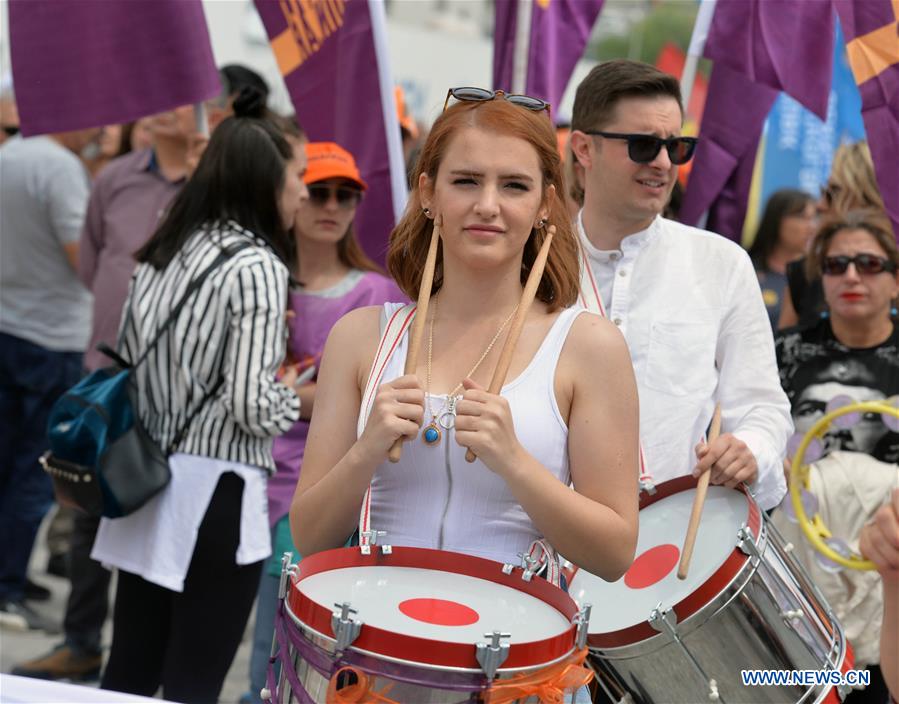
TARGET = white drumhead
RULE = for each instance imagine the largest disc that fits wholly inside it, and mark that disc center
(443, 606)
(652, 579)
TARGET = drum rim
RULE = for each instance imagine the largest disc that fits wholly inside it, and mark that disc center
(705, 594)
(415, 650)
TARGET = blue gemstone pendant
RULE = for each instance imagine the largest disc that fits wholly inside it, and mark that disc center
(431, 434)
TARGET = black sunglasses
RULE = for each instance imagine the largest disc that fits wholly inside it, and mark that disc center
(864, 264)
(643, 148)
(10, 130)
(320, 194)
(482, 95)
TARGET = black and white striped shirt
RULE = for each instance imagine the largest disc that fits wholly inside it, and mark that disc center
(232, 327)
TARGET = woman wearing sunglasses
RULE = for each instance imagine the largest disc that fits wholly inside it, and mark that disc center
(851, 351)
(489, 178)
(853, 348)
(335, 276)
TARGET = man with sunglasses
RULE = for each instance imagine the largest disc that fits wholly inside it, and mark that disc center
(687, 301)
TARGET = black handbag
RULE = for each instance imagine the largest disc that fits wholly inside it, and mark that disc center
(101, 458)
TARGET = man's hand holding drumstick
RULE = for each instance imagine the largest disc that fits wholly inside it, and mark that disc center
(729, 460)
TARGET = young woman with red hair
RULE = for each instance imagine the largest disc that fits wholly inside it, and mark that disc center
(490, 176)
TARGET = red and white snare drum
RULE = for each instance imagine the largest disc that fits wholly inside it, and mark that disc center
(744, 605)
(417, 625)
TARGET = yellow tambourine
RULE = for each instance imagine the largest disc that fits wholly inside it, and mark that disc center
(814, 527)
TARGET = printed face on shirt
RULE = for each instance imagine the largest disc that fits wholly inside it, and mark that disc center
(328, 213)
(810, 406)
(294, 192)
(854, 296)
(489, 191)
(615, 185)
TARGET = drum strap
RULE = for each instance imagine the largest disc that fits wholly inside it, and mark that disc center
(391, 335)
(591, 299)
(392, 332)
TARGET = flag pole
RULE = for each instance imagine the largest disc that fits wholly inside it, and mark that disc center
(201, 119)
(522, 47)
(697, 46)
(694, 53)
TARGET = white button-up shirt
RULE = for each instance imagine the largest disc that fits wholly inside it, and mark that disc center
(689, 305)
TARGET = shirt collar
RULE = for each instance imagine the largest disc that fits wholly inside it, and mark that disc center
(150, 164)
(633, 242)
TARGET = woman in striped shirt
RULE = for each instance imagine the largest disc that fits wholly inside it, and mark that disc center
(189, 560)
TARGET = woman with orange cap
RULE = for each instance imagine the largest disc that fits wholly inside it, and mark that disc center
(335, 276)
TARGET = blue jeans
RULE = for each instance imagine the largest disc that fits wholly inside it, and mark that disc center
(31, 379)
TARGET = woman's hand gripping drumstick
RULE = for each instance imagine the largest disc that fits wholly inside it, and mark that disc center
(698, 502)
(421, 314)
(527, 297)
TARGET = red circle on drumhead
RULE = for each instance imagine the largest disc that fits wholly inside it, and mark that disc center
(439, 612)
(652, 566)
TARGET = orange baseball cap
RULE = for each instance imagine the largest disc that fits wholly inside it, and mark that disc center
(329, 160)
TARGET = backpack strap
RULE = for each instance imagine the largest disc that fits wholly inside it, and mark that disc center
(392, 333)
(194, 286)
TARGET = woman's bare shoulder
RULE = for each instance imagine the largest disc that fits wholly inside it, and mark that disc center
(595, 344)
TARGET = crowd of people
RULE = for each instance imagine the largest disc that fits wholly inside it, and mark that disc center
(279, 429)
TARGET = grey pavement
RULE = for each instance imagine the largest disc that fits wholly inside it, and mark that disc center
(16, 647)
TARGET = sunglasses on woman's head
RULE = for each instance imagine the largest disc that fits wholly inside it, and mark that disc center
(864, 264)
(320, 194)
(643, 148)
(482, 95)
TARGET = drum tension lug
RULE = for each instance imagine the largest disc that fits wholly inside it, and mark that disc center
(746, 543)
(582, 621)
(369, 538)
(659, 620)
(529, 565)
(493, 654)
(507, 568)
(346, 629)
(647, 486)
(285, 573)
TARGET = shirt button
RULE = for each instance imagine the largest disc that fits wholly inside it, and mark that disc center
(622, 273)
(614, 256)
(617, 321)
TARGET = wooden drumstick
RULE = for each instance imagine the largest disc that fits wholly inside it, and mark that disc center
(698, 502)
(527, 297)
(418, 325)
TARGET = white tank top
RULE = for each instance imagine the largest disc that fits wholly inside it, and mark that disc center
(433, 498)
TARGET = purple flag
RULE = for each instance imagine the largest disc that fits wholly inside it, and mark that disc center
(735, 112)
(871, 28)
(760, 47)
(784, 44)
(94, 62)
(333, 56)
(540, 62)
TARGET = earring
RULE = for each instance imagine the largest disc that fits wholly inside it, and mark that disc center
(894, 312)
(427, 212)
(825, 314)
(541, 224)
